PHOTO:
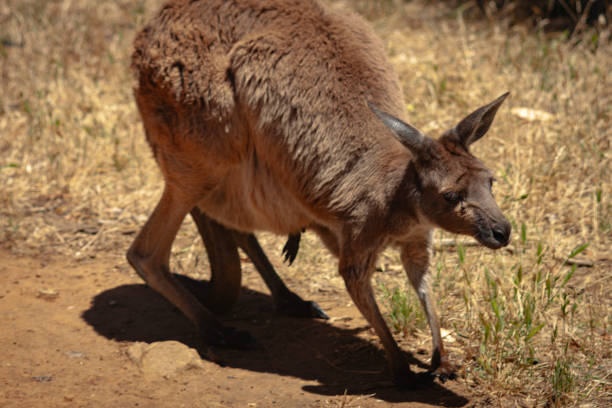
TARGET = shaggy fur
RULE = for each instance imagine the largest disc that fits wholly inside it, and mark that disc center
(281, 115)
(292, 72)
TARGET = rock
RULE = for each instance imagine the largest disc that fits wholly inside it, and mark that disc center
(47, 294)
(74, 354)
(164, 359)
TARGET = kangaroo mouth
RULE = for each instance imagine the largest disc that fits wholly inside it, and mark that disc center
(494, 237)
(492, 234)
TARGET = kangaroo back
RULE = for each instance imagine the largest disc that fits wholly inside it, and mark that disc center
(280, 84)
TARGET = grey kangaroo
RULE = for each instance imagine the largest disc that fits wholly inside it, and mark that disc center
(281, 115)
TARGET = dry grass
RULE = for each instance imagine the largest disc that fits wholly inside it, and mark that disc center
(78, 179)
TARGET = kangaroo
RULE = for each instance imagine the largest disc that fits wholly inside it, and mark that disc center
(282, 115)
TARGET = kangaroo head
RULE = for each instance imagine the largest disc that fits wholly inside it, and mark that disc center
(454, 186)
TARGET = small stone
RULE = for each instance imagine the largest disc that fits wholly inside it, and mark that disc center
(74, 354)
(164, 359)
(47, 294)
(135, 352)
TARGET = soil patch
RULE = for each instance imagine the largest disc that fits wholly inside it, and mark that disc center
(68, 326)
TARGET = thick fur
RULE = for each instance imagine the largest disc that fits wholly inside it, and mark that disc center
(263, 93)
(258, 114)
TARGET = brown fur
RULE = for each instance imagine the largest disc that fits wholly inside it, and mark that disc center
(256, 113)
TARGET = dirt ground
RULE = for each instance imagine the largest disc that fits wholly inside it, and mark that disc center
(68, 324)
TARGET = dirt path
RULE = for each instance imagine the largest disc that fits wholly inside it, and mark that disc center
(66, 327)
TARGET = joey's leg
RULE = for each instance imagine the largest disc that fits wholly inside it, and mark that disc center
(357, 279)
(225, 273)
(286, 301)
(149, 256)
(291, 247)
(415, 257)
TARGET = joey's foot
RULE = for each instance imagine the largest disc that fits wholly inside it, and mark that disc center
(291, 248)
(444, 371)
(294, 306)
(229, 337)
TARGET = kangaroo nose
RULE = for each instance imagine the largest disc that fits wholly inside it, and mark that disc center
(501, 233)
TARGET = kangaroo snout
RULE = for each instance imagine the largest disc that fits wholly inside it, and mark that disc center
(496, 235)
(501, 233)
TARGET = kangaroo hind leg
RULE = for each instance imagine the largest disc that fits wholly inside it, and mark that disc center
(224, 263)
(149, 255)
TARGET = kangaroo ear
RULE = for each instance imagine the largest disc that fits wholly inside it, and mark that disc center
(477, 123)
(407, 134)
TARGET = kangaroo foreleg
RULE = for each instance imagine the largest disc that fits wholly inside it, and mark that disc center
(415, 257)
(357, 279)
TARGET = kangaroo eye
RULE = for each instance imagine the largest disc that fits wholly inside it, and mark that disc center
(491, 181)
(451, 197)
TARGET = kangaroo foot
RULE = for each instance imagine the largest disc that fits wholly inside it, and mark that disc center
(444, 371)
(291, 247)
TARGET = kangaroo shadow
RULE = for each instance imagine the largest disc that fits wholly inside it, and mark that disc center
(314, 350)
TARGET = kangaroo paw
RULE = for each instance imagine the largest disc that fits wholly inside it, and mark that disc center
(445, 371)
